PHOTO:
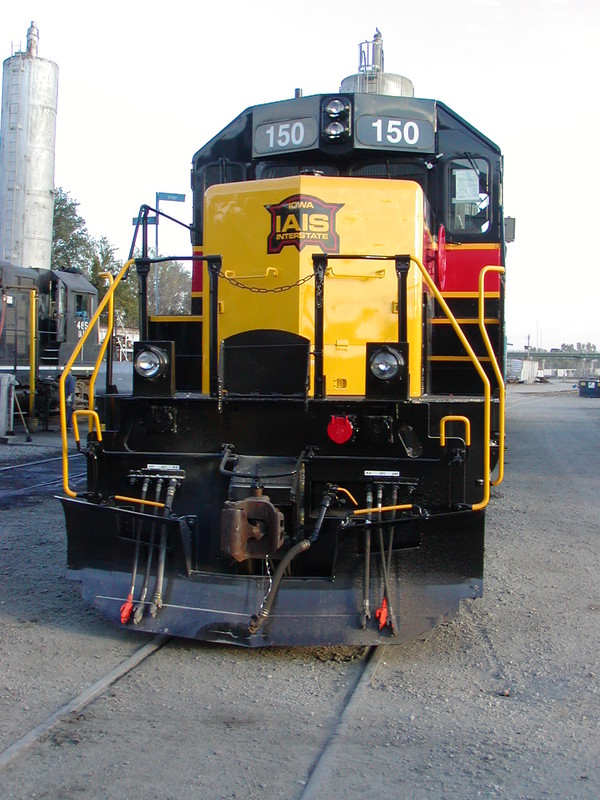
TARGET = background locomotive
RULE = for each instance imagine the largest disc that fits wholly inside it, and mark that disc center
(43, 314)
(307, 457)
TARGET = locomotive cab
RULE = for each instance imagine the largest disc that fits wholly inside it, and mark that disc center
(67, 303)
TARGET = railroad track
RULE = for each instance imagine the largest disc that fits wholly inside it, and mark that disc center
(81, 701)
(323, 762)
(321, 772)
(21, 480)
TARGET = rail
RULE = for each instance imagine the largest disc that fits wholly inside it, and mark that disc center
(402, 262)
(379, 273)
(32, 349)
(108, 300)
(494, 361)
(320, 264)
(33, 333)
(455, 418)
(108, 297)
(109, 330)
(487, 392)
(269, 272)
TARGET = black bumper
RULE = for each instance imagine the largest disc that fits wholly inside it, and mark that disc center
(426, 583)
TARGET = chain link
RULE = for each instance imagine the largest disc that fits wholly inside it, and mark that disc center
(263, 289)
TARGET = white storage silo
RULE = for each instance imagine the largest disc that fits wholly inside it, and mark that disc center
(27, 138)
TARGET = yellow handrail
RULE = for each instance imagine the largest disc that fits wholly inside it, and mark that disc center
(82, 412)
(94, 418)
(32, 352)
(487, 394)
(77, 350)
(381, 509)
(109, 330)
(496, 368)
(273, 271)
(379, 273)
(33, 295)
(125, 499)
(455, 418)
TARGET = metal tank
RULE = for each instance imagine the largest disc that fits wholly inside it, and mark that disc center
(27, 138)
(371, 78)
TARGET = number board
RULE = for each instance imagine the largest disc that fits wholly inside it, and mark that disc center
(395, 133)
(285, 136)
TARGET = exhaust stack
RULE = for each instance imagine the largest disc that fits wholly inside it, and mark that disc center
(371, 78)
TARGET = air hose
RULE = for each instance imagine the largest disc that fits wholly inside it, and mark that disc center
(256, 620)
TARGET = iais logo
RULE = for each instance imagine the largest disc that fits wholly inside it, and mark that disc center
(302, 220)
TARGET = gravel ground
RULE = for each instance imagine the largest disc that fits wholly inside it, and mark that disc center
(17, 450)
(502, 702)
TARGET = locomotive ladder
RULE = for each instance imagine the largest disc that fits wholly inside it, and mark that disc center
(469, 309)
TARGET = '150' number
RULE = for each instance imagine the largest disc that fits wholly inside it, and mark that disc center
(286, 134)
(396, 131)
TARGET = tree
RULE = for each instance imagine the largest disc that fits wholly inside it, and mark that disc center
(72, 245)
(74, 248)
(174, 289)
(588, 347)
(126, 300)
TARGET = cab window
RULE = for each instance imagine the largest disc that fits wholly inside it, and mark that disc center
(268, 169)
(406, 170)
(221, 171)
(207, 175)
(469, 208)
(82, 306)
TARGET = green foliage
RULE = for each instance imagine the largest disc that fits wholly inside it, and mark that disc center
(74, 248)
(72, 245)
(126, 300)
(174, 289)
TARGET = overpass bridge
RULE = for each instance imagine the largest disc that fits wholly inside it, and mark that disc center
(584, 364)
(560, 356)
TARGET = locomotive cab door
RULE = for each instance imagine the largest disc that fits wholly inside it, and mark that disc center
(57, 309)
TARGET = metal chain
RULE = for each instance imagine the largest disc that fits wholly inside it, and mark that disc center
(264, 290)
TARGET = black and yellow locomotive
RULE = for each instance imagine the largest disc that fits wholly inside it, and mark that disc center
(306, 458)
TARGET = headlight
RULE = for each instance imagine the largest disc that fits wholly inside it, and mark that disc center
(151, 363)
(335, 107)
(385, 364)
(334, 130)
(336, 119)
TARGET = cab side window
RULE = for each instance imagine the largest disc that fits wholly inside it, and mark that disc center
(468, 201)
(206, 175)
(82, 306)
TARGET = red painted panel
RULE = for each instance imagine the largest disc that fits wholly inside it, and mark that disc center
(463, 267)
(197, 272)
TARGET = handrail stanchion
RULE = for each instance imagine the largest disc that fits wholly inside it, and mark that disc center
(320, 269)
(496, 368)
(32, 351)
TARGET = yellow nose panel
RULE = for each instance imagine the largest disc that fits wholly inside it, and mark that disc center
(267, 232)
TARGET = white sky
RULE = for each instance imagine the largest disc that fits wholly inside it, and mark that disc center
(143, 85)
